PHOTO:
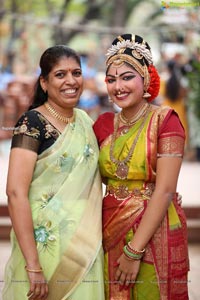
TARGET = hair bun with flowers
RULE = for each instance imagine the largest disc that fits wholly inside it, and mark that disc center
(154, 85)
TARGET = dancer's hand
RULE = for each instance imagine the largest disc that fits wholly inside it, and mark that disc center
(126, 271)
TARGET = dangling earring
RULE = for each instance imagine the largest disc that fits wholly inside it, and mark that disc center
(146, 95)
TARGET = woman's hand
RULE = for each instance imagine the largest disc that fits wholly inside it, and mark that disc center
(127, 271)
(38, 286)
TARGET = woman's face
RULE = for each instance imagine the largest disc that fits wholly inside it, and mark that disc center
(64, 84)
(125, 86)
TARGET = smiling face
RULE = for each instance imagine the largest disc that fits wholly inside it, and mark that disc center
(64, 83)
(125, 86)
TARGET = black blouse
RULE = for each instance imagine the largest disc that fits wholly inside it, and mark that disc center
(34, 132)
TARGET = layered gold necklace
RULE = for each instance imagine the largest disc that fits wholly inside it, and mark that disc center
(135, 118)
(122, 167)
(58, 116)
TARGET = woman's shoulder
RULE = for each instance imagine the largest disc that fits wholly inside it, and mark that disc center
(32, 116)
(104, 126)
(168, 119)
(161, 109)
(80, 113)
(104, 121)
(30, 123)
(107, 114)
(161, 113)
(105, 117)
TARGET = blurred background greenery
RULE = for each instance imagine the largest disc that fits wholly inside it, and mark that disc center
(172, 29)
(28, 27)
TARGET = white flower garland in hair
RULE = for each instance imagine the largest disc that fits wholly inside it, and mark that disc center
(141, 48)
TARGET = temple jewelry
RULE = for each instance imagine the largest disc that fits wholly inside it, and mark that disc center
(140, 48)
(122, 168)
(135, 118)
(146, 95)
(58, 116)
(33, 270)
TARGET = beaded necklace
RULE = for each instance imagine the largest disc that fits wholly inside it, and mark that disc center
(58, 116)
(122, 168)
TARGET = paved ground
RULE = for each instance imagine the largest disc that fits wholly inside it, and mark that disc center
(188, 186)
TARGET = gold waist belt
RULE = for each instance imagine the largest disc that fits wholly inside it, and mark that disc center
(122, 192)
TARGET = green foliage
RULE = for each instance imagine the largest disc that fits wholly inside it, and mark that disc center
(43, 8)
(194, 88)
(24, 7)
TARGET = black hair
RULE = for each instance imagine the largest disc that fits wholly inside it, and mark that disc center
(48, 60)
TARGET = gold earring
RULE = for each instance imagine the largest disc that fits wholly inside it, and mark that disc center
(146, 95)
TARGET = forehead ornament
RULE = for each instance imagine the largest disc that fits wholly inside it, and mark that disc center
(138, 49)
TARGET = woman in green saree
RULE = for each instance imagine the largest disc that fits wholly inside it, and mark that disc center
(141, 150)
(54, 191)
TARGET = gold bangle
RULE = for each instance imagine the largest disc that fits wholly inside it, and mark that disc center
(33, 270)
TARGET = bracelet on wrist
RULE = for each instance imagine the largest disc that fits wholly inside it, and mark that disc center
(129, 254)
(134, 250)
(33, 270)
(129, 258)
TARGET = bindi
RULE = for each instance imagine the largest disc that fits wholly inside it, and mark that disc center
(116, 75)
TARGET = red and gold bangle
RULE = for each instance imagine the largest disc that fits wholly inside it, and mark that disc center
(134, 250)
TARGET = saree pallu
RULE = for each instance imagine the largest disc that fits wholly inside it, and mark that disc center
(66, 202)
(164, 267)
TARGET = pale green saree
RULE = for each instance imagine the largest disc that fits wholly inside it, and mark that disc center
(66, 200)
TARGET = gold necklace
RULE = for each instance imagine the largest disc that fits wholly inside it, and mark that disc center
(122, 168)
(136, 117)
(58, 116)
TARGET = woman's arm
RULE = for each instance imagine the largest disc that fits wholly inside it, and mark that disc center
(167, 173)
(20, 172)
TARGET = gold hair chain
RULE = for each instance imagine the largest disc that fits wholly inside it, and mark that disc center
(58, 116)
